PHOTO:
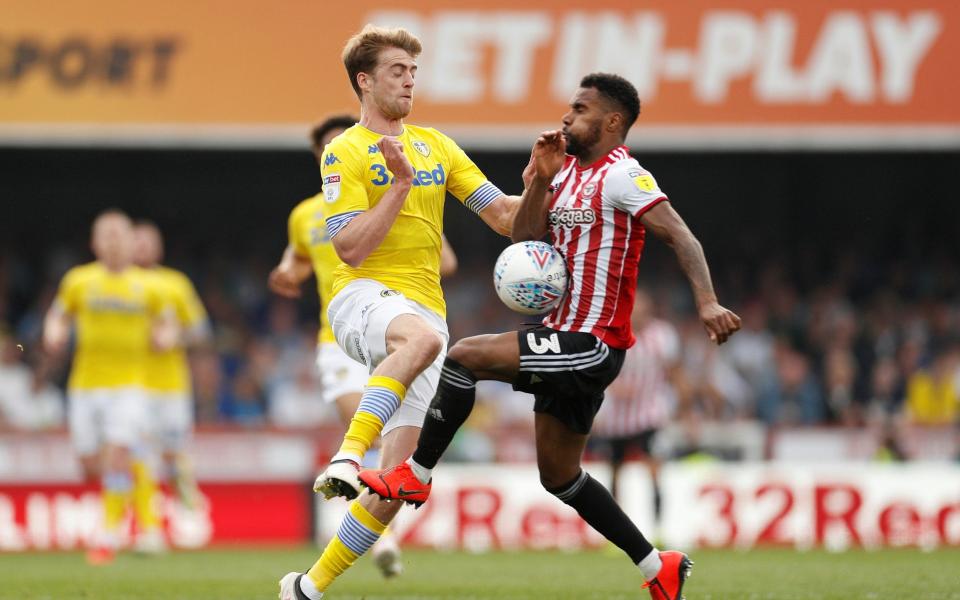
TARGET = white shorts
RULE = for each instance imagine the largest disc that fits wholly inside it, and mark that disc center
(360, 314)
(171, 419)
(116, 416)
(339, 374)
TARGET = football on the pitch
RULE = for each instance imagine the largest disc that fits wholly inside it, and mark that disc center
(530, 277)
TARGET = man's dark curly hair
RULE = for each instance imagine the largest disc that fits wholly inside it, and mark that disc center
(335, 122)
(619, 91)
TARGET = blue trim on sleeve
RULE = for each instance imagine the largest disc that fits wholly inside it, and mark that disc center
(482, 197)
(338, 222)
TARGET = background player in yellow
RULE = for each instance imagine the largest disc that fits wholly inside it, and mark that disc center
(309, 251)
(384, 186)
(118, 314)
(168, 372)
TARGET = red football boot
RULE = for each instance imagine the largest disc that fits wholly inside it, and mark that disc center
(396, 483)
(668, 584)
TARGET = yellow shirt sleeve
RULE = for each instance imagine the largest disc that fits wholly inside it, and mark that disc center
(296, 229)
(68, 295)
(466, 181)
(344, 185)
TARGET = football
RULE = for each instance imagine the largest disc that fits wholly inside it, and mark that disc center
(530, 277)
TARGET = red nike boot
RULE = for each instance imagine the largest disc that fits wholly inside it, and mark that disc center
(396, 483)
(668, 584)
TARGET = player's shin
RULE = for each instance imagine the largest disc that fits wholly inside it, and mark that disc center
(598, 508)
(117, 488)
(381, 398)
(358, 531)
(449, 409)
(144, 497)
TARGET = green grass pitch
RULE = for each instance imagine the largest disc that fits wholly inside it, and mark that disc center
(253, 573)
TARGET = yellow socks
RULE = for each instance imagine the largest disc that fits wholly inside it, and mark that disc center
(144, 494)
(358, 531)
(117, 488)
(381, 398)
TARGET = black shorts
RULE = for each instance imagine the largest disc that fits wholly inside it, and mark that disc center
(567, 373)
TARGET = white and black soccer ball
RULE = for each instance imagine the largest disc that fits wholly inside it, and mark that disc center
(530, 277)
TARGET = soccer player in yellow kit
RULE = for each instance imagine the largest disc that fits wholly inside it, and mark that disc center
(168, 372)
(309, 251)
(384, 186)
(118, 314)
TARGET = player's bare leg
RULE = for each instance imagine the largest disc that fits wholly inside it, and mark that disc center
(412, 346)
(495, 356)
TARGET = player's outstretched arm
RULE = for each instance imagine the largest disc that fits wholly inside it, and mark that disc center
(56, 329)
(448, 258)
(365, 233)
(166, 333)
(292, 270)
(549, 153)
(667, 225)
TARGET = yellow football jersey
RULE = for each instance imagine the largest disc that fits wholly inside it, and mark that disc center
(168, 371)
(113, 313)
(355, 178)
(307, 234)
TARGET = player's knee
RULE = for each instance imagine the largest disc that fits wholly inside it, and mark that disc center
(554, 475)
(425, 346)
(472, 352)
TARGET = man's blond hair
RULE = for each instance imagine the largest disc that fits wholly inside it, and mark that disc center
(362, 50)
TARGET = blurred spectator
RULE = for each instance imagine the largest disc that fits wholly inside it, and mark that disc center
(640, 400)
(790, 395)
(242, 401)
(27, 400)
(296, 402)
(932, 391)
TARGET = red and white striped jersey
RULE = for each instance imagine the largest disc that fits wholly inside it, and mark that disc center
(595, 224)
(641, 396)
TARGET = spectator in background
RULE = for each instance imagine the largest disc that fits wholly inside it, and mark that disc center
(751, 351)
(294, 402)
(641, 398)
(27, 401)
(884, 409)
(243, 401)
(839, 376)
(791, 395)
(932, 391)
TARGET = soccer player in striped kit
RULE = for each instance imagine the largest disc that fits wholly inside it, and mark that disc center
(637, 404)
(596, 203)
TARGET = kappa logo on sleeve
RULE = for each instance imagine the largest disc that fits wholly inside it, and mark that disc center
(331, 187)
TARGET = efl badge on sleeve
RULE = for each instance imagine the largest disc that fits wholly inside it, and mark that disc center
(331, 187)
(645, 182)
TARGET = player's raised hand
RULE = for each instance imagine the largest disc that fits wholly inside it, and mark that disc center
(549, 153)
(283, 283)
(529, 171)
(397, 161)
(719, 322)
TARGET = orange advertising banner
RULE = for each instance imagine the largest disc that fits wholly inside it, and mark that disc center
(709, 72)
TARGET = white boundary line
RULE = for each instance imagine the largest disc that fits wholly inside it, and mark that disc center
(811, 136)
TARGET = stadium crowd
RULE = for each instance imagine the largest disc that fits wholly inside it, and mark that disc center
(827, 340)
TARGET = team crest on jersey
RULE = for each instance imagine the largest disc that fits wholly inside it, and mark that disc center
(589, 190)
(331, 187)
(422, 148)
